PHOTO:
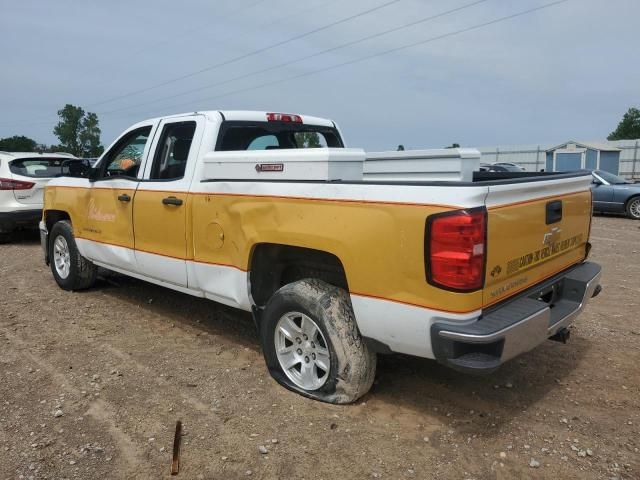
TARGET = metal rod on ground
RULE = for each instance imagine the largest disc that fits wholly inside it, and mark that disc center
(175, 463)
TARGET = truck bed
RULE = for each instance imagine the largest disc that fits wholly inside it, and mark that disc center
(479, 178)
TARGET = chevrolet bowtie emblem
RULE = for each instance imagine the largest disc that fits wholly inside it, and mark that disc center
(551, 236)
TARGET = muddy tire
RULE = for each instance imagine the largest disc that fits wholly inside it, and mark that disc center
(312, 345)
(633, 208)
(71, 270)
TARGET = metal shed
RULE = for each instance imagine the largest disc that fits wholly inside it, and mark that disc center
(574, 155)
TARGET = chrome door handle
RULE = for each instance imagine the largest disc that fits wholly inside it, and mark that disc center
(172, 201)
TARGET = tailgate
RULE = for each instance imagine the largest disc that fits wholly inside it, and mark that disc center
(534, 230)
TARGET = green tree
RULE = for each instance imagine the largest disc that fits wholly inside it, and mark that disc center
(454, 145)
(18, 143)
(629, 126)
(400, 148)
(50, 148)
(78, 132)
(90, 136)
(308, 140)
(68, 128)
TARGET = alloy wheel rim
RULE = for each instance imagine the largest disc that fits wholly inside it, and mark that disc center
(61, 256)
(302, 351)
(634, 208)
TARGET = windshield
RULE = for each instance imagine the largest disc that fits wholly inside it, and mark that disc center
(610, 177)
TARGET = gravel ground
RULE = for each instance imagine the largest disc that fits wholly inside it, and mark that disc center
(93, 383)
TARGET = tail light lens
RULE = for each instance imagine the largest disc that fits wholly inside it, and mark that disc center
(284, 117)
(455, 249)
(8, 184)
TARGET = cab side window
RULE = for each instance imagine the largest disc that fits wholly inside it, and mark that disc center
(126, 156)
(172, 152)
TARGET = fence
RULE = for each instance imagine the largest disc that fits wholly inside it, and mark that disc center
(533, 157)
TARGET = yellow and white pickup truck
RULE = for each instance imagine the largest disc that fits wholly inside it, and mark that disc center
(336, 265)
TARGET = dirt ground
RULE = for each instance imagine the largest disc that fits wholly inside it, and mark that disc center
(92, 384)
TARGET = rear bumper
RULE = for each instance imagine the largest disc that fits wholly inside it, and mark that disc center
(518, 325)
(10, 221)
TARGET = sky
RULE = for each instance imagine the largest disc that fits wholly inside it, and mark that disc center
(568, 71)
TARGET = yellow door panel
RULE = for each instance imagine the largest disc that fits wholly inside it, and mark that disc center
(107, 218)
(102, 213)
(160, 228)
(96, 212)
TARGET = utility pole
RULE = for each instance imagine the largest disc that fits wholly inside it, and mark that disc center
(635, 159)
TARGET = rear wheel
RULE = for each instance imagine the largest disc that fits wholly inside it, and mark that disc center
(633, 208)
(302, 351)
(70, 269)
(312, 345)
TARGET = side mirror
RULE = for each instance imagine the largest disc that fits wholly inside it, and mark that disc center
(93, 174)
(75, 168)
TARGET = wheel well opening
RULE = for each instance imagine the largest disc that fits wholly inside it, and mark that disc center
(53, 216)
(273, 266)
(631, 199)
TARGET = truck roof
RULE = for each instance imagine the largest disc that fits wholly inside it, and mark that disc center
(247, 115)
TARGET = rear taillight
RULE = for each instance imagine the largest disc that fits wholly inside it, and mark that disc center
(455, 249)
(284, 117)
(8, 184)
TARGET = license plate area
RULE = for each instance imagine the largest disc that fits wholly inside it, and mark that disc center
(549, 294)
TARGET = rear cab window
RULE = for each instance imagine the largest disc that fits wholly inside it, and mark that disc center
(247, 135)
(40, 167)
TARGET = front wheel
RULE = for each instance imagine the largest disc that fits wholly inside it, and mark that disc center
(312, 345)
(633, 208)
(71, 270)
